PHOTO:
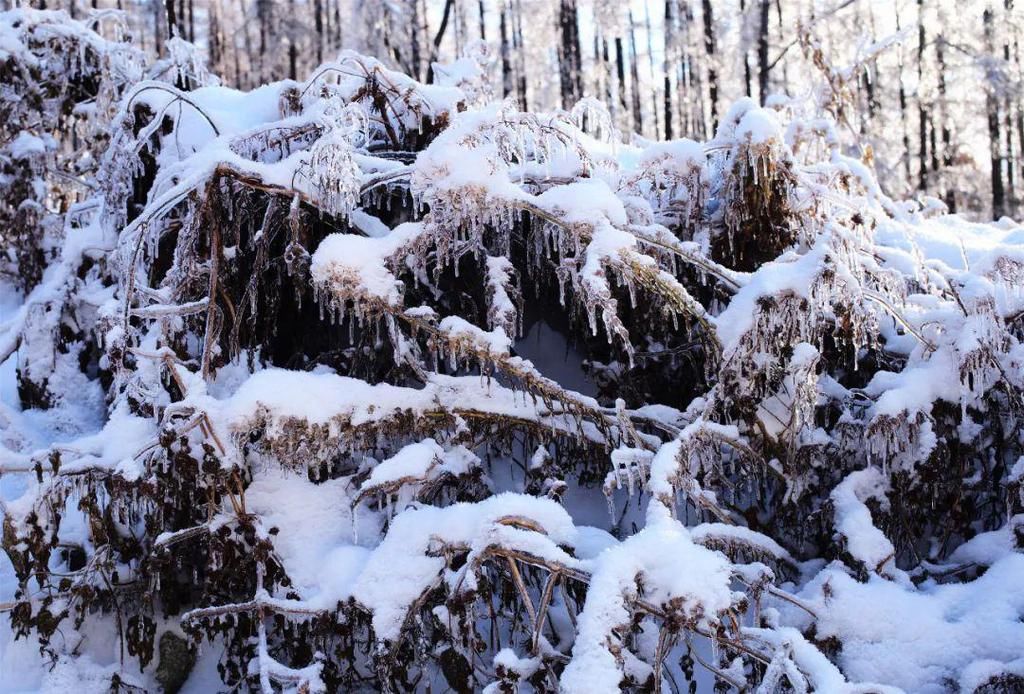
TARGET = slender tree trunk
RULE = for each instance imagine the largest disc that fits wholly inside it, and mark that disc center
(415, 32)
(1011, 168)
(159, 21)
(607, 74)
(762, 53)
(1020, 105)
(782, 30)
(709, 48)
(650, 67)
(438, 38)
(743, 49)
(995, 140)
(520, 54)
(318, 27)
(922, 109)
(949, 194)
(337, 23)
(620, 73)
(169, 13)
(214, 37)
(634, 75)
(903, 109)
(506, 57)
(669, 41)
(569, 67)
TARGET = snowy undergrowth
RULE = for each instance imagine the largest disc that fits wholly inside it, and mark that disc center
(263, 394)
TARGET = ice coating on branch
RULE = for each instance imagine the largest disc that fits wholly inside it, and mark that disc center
(287, 398)
(347, 267)
(402, 567)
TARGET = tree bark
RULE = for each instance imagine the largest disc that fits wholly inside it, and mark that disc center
(995, 140)
(506, 57)
(634, 76)
(569, 64)
(669, 41)
(762, 53)
(922, 109)
(709, 48)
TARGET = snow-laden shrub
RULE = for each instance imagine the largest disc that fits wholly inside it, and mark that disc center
(295, 425)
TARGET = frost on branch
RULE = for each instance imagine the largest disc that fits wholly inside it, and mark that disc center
(275, 340)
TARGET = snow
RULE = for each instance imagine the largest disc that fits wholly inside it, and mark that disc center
(884, 342)
(663, 559)
(351, 265)
(918, 639)
(865, 542)
(315, 540)
(26, 145)
(400, 569)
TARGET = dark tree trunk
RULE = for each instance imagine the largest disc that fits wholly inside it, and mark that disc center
(506, 57)
(650, 66)
(669, 33)
(903, 112)
(520, 54)
(620, 73)
(762, 53)
(1011, 169)
(607, 73)
(995, 140)
(743, 48)
(922, 109)
(417, 25)
(318, 26)
(709, 47)
(172, 24)
(634, 75)
(569, 63)
(949, 195)
(438, 38)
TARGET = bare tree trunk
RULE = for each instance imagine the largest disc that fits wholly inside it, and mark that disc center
(415, 36)
(520, 54)
(709, 48)
(922, 110)
(781, 25)
(158, 20)
(438, 38)
(214, 39)
(1011, 169)
(634, 75)
(670, 30)
(569, 64)
(949, 194)
(607, 73)
(650, 67)
(318, 26)
(506, 58)
(903, 109)
(762, 53)
(172, 23)
(995, 146)
(263, 14)
(293, 56)
(1020, 105)
(483, 20)
(620, 73)
(743, 49)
